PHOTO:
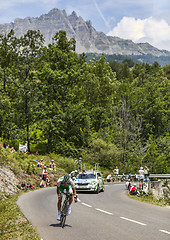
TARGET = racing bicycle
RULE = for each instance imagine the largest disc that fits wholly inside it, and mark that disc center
(64, 209)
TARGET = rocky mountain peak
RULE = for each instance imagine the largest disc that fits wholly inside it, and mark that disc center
(55, 12)
(74, 15)
(87, 38)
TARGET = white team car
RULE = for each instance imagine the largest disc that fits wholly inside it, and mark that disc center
(89, 181)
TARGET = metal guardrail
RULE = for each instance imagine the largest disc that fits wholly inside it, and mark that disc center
(159, 176)
(150, 176)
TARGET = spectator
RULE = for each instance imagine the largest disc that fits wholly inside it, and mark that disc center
(40, 164)
(116, 172)
(109, 177)
(128, 184)
(26, 144)
(141, 177)
(147, 179)
(146, 170)
(44, 177)
(12, 150)
(52, 164)
(133, 190)
(37, 153)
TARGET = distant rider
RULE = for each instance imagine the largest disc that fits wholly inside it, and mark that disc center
(65, 182)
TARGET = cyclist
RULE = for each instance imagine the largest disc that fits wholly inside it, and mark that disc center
(65, 182)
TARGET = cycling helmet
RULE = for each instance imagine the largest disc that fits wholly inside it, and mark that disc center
(66, 178)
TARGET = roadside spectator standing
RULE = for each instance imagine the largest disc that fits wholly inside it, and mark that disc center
(141, 177)
(146, 170)
(52, 164)
(44, 177)
(128, 184)
(116, 172)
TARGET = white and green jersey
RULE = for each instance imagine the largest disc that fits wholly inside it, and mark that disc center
(63, 184)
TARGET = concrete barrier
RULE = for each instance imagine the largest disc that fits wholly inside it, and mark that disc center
(157, 189)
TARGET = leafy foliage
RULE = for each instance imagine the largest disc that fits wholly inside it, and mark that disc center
(114, 113)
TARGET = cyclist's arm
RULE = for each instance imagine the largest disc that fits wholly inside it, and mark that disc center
(58, 188)
(58, 192)
(75, 194)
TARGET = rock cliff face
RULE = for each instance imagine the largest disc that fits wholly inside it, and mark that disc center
(8, 182)
(87, 38)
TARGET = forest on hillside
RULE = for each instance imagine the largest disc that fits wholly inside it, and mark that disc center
(105, 112)
(143, 58)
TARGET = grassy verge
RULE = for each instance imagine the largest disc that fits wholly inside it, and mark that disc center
(13, 224)
(148, 199)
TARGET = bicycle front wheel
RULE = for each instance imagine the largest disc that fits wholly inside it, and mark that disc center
(63, 220)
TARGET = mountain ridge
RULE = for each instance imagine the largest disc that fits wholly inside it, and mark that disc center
(88, 40)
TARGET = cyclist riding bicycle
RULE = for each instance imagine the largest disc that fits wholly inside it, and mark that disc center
(65, 182)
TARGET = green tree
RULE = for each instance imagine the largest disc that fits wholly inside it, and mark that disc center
(59, 74)
(22, 85)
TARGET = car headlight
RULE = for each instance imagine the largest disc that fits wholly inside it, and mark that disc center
(94, 183)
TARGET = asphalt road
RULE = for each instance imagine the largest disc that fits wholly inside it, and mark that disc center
(111, 215)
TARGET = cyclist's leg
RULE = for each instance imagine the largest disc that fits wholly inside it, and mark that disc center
(70, 191)
(59, 204)
(60, 199)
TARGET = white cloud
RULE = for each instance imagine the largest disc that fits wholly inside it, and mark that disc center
(156, 32)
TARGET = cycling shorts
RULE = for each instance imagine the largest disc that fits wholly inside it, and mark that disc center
(68, 189)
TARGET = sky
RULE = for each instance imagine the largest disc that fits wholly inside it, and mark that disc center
(139, 21)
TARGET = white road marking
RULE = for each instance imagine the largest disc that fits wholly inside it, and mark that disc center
(164, 231)
(86, 204)
(127, 219)
(103, 211)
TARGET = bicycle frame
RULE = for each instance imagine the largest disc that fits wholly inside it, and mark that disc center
(64, 210)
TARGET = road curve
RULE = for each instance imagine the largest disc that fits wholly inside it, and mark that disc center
(103, 216)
